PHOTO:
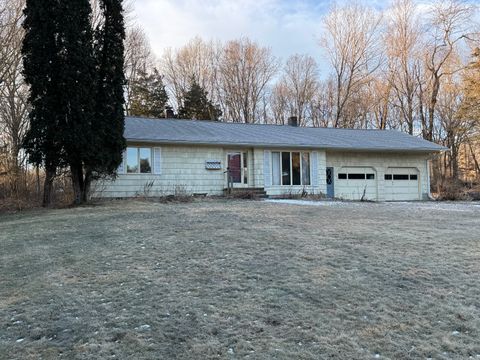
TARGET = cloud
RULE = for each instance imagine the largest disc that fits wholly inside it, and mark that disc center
(287, 27)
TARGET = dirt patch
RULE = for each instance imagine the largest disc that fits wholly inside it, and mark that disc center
(241, 279)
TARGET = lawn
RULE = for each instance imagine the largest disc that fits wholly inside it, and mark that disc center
(241, 279)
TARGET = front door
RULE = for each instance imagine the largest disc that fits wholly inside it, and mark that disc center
(235, 167)
(330, 182)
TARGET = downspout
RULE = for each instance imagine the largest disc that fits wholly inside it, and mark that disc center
(429, 194)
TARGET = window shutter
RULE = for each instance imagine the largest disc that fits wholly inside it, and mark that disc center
(267, 170)
(157, 161)
(315, 168)
(121, 167)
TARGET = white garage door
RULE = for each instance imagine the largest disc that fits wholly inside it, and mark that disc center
(402, 184)
(353, 183)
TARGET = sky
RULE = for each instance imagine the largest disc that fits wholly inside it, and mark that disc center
(287, 27)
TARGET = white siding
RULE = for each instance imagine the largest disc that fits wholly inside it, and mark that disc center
(182, 168)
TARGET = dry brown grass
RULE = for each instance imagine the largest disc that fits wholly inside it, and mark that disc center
(241, 279)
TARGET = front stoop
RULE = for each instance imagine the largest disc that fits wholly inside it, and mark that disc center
(257, 192)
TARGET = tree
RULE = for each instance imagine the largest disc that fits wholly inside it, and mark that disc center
(149, 97)
(300, 83)
(351, 40)
(403, 44)
(196, 105)
(76, 94)
(109, 143)
(13, 90)
(469, 112)
(450, 22)
(43, 144)
(245, 71)
(198, 60)
(139, 60)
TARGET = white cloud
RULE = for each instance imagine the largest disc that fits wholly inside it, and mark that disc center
(288, 27)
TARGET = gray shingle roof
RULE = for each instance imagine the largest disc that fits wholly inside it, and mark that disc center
(173, 131)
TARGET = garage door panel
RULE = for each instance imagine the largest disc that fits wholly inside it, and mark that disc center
(349, 187)
(400, 190)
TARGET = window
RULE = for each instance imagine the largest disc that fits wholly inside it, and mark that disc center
(276, 169)
(342, 176)
(388, 176)
(290, 168)
(245, 168)
(145, 155)
(286, 168)
(356, 176)
(139, 160)
(296, 174)
(413, 177)
(132, 160)
(400, 177)
(370, 176)
(306, 168)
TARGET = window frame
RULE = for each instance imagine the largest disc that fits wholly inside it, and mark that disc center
(291, 166)
(138, 172)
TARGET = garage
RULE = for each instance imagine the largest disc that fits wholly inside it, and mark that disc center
(355, 183)
(402, 184)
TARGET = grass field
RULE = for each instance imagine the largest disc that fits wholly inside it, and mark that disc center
(241, 279)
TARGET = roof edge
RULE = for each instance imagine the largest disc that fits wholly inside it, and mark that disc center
(287, 146)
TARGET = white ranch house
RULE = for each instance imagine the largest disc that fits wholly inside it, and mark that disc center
(168, 155)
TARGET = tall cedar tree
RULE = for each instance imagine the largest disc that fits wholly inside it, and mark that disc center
(59, 67)
(149, 97)
(77, 86)
(40, 61)
(109, 110)
(76, 94)
(196, 105)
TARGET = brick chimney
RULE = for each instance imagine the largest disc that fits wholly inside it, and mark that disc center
(169, 112)
(293, 121)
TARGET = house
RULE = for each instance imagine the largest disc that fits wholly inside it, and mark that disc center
(168, 155)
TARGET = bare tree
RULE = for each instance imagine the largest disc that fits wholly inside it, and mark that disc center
(455, 129)
(403, 43)
(352, 43)
(279, 103)
(245, 71)
(196, 61)
(13, 90)
(138, 58)
(451, 24)
(322, 108)
(300, 78)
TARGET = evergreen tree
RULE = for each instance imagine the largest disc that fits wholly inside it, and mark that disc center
(109, 124)
(59, 68)
(76, 94)
(196, 105)
(77, 86)
(149, 96)
(40, 60)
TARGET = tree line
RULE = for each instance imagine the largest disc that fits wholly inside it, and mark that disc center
(410, 68)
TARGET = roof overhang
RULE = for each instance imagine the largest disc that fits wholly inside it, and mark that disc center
(284, 146)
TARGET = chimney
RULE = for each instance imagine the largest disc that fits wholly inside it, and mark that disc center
(292, 121)
(169, 112)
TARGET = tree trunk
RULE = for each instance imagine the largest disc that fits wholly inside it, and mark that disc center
(86, 186)
(48, 186)
(454, 164)
(77, 182)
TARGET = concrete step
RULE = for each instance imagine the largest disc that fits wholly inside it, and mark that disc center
(258, 192)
